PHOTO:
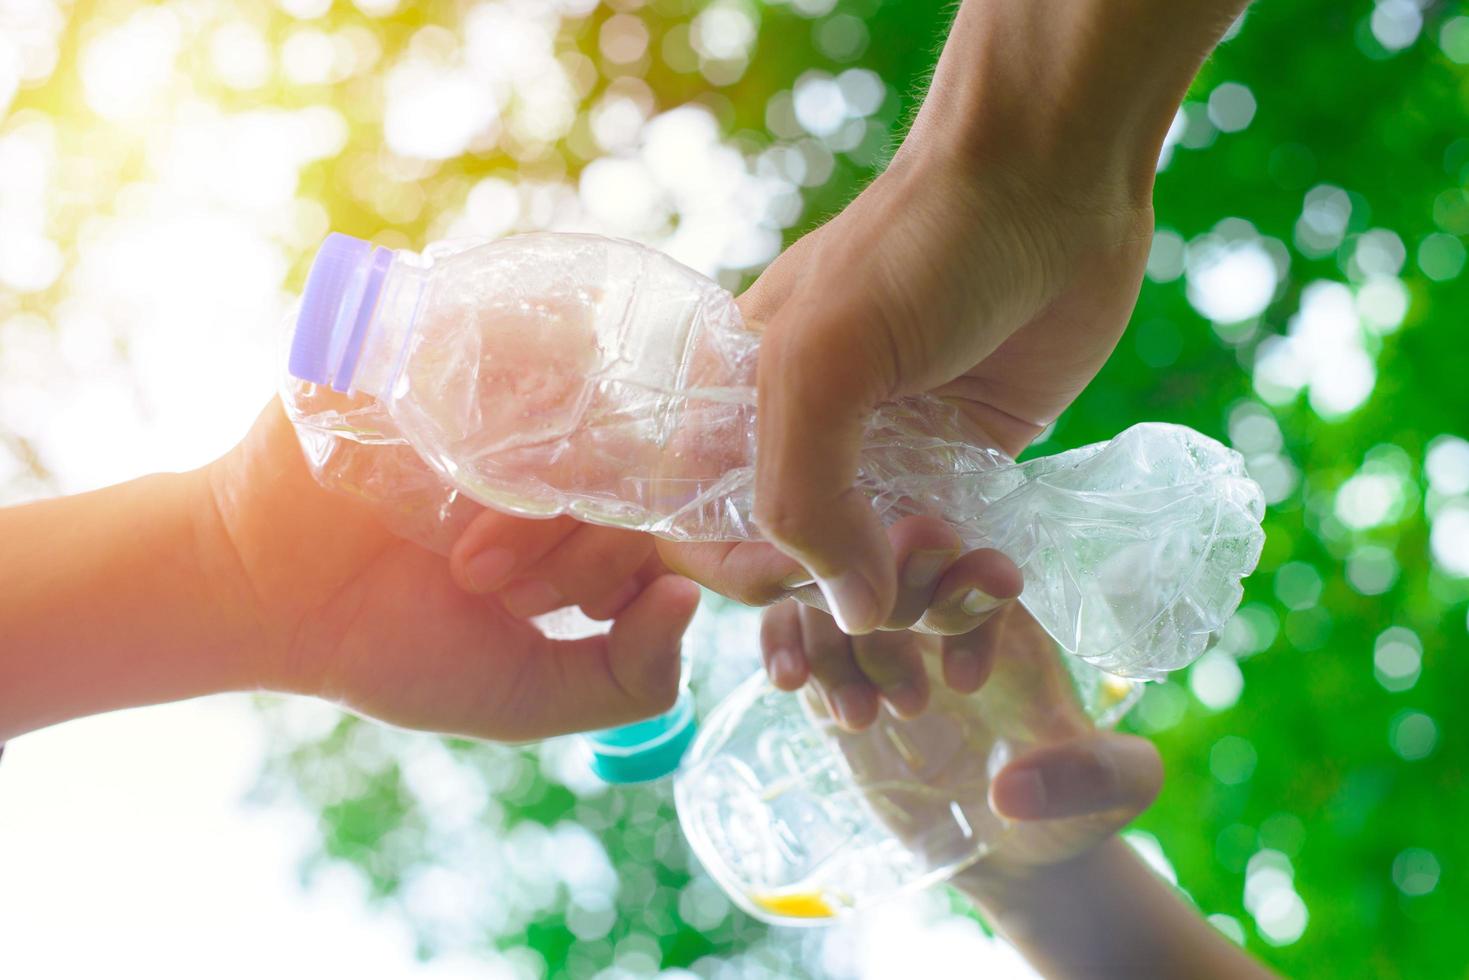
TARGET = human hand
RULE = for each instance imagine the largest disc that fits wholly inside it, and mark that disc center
(1065, 787)
(535, 567)
(967, 282)
(938, 588)
(994, 264)
(349, 611)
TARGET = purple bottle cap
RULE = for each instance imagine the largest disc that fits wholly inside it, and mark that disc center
(336, 307)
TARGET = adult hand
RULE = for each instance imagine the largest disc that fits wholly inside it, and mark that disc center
(948, 275)
(994, 264)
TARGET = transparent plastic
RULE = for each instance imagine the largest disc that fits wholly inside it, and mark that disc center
(352, 446)
(572, 374)
(800, 821)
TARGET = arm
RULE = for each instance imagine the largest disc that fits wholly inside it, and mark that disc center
(114, 598)
(246, 575)
(1083, 91)
(1104, 913)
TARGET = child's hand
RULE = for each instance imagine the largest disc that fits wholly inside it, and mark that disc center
(348, 611)
(1071, 786)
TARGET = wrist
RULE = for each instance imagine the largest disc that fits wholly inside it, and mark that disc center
(1004, 893)
(1077, 96)
(282, 548)
(236, 599)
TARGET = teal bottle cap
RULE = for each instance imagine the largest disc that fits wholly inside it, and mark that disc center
(644, 750)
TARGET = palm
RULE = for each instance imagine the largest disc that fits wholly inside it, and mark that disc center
(399, 640)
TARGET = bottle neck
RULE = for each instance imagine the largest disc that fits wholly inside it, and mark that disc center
(385, 344)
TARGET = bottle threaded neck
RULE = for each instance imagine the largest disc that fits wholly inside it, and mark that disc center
(337, 307)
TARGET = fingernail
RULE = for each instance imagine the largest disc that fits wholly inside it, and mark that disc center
(850, 704)
(798, 579)
(488, 570)
(976, 603)
(851, 602)
(1024, 795)
(923, 568)
(785, 668)
(526, 599)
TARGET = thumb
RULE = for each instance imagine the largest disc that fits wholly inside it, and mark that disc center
(818, 383)
(627, 675)
(1098, 773)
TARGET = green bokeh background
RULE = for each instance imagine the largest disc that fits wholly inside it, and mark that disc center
(1351, 780)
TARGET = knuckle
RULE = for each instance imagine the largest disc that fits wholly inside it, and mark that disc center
(902, 619)
(782, 519)
(756, 593)
(747, 589)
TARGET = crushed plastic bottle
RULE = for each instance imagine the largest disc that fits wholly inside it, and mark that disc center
(572, 374)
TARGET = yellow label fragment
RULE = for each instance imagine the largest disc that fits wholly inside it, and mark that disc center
(795, 905)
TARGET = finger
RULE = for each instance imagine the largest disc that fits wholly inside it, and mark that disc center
(495, 546)
(969, 657)
(770, 291)
(753, 573)
(851, 697)
(1094, 774)
(924, 548)
(609, 605)
(588, 565)
(893, 661)
(970, 591)
(603, 681)
(781, 646)
(816, 390)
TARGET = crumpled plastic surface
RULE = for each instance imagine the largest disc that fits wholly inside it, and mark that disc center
(353, 447)
(1134, 549)
(571, 374)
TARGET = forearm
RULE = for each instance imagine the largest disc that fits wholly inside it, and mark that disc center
(118, 598)
(1083, 89)
(1106, 914)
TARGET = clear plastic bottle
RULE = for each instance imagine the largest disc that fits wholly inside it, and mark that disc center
(800, 821)
(572, 374)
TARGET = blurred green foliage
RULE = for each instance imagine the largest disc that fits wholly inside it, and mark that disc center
(1302, 766)
(1314, 791)
(1336, 788)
